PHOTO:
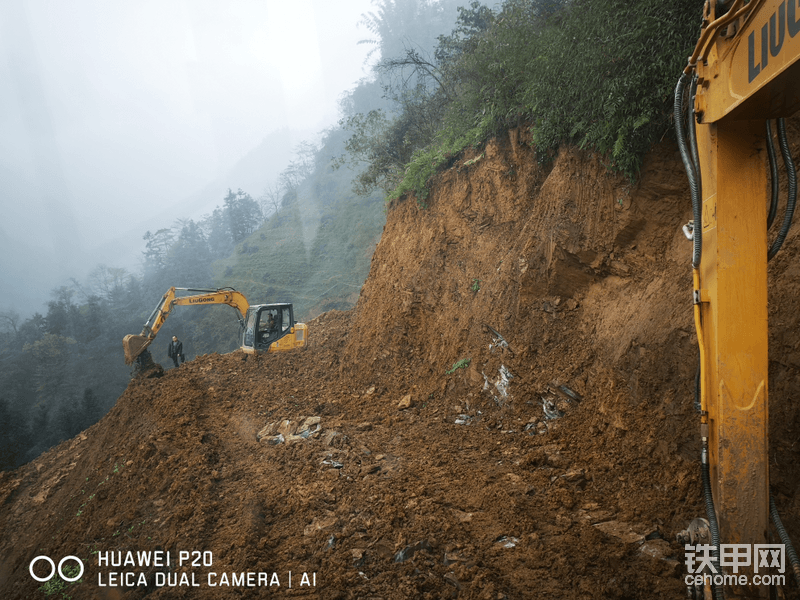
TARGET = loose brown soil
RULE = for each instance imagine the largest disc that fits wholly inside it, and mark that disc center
(421, 479)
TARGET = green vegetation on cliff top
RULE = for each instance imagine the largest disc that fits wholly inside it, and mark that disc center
(596, 73)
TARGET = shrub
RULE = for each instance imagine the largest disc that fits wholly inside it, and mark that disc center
(595, 73)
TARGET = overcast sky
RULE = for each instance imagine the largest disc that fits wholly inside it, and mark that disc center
(114, 110)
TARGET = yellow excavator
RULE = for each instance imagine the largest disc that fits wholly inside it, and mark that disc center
(743, 73)
(264, 327)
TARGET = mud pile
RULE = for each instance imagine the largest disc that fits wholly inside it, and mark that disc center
(507, 413)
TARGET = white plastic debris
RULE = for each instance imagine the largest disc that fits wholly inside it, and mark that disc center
(498, 341)
(507, 541)
(550, 409)
(502, 383)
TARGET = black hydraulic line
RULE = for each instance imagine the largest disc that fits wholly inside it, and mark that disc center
(787, 542)
(691, 164)
(773, 171)
(791, 177)
(711, 515)
(692, 172)
(697, 198)
(722, 8)
(680, 133)
(693, 134)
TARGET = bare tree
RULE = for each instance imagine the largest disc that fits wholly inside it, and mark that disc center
(411, 64)
(106, 281)
(270, 200)
(301, 167)
(9, 320)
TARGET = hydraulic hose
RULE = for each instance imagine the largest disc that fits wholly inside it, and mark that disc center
(791, 178)
(773, 171)
(700, 396)
(790, 553)
(689, 165)
(680, 133)
(693, 135)
(711, 515)
(710, 31)
(697, 199)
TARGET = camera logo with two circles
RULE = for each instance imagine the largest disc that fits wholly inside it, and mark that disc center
(53, 568)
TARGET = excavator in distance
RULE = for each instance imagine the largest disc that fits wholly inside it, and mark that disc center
(264, 327)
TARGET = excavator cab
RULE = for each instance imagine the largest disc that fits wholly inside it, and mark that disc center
(271, 328)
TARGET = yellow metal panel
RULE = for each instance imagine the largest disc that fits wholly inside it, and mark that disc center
(755, 74)
(734, 320)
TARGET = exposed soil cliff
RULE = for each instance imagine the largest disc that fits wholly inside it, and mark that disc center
(507, 413)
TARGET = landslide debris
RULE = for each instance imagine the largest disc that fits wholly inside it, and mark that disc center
(506, 413)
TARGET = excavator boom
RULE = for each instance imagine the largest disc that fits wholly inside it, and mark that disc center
(134, 345)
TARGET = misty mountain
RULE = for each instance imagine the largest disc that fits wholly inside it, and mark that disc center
(32, 266)
(252, 173)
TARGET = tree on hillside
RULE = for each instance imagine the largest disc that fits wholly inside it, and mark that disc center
(243, 214)
(157, 246)
(63, 316)
(51, 357)
(33, 328)
(95, 317)
(217, 233)
(189, 258)
(397, 25)
(372, 142)
(230, 224)
(13, 435)
(568, 66)
(472, 21)
(385, 138)
(108, 282)
(270, 200)
(300, 168)
(9, 320)
(366, 96)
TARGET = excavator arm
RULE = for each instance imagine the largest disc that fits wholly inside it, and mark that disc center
(134, 345)
(745, 70)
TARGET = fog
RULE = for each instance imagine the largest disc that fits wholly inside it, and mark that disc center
(120, 117)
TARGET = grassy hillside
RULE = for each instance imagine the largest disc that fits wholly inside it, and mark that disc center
(315, 251)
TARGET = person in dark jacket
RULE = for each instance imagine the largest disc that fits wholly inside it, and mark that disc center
(175, 350)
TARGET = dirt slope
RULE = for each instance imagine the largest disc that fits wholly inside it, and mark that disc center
(559, 291)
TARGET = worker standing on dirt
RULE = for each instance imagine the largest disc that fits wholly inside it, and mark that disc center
(175, 350)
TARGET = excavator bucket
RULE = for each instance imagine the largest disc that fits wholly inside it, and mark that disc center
(134, 345)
